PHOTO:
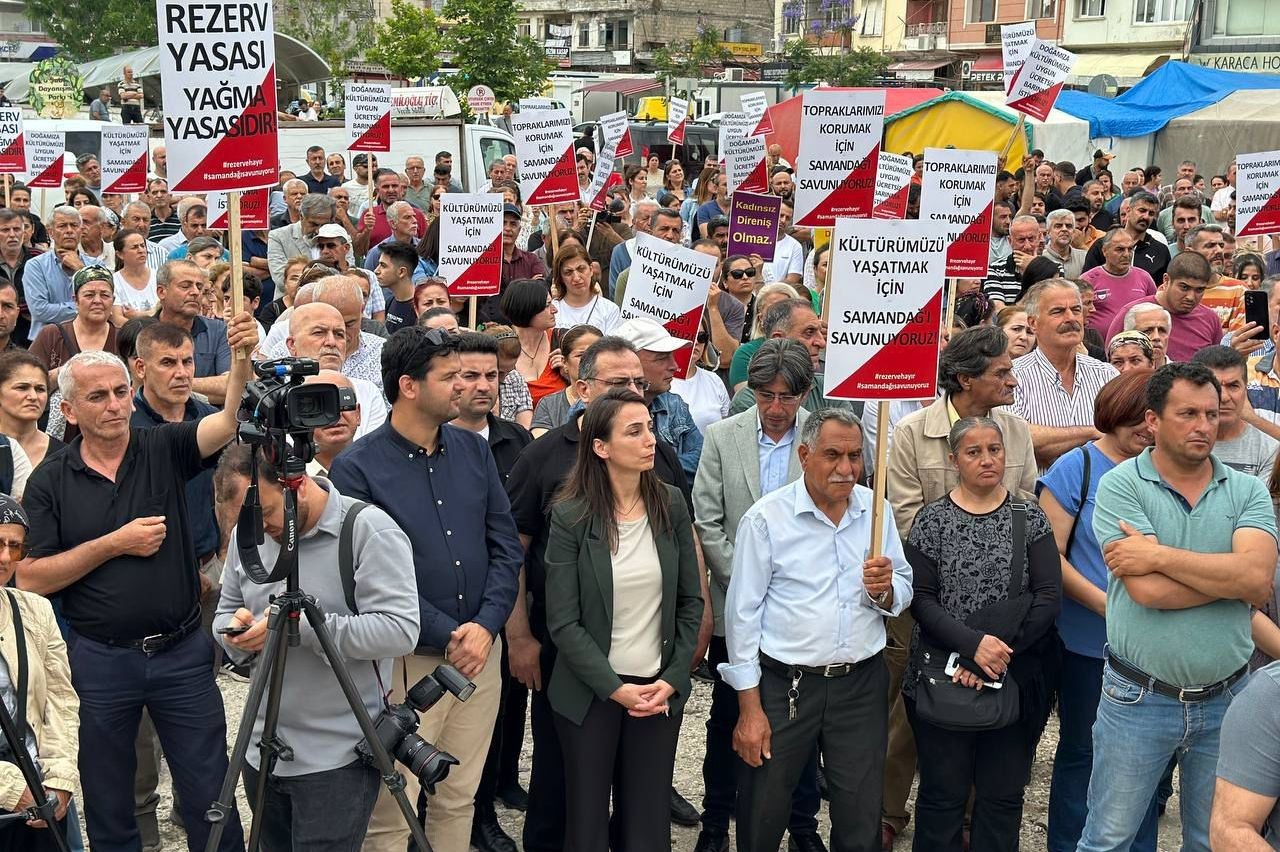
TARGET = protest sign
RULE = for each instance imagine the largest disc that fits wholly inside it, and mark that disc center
(756, 106)
(45, 149)
(958, 188)
(125, 150)
(744, 164)
(616, 127)
(893, 183)
(367, 112)
(254, 210)
(732, 124)
(753, 224)
(471, 243)
(668, 284)
(677, 113)
(1015, 45)
(527, 104)
(885, 285)
(13, 158)
(544, 156)
(593, 195)
(839, 150)
(218, 80)
(480, 99)
(1258, 194)
(1036, 85)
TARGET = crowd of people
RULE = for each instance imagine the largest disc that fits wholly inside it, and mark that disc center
(1081, 522)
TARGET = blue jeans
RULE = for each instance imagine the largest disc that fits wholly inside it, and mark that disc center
(321, 812)
(1073, 762)
(178, 689)
(1135, 734)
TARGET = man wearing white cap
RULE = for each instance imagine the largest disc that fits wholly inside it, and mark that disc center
(671, 416)
(334, 245)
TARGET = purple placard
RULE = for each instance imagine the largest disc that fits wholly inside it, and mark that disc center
(753, 224)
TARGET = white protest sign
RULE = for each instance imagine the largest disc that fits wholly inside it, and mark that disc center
(885, 282)
(527, 104)
(471, 243)
(45, 149)
(616, 127)
(593, 195)
(125, 150)
(668, 284)
(1037, 83)
(677, 113)
(1015, 45)
(756, 106)
(732, 124)
(1257, 194)
(218, 79)
(839, 150)
(893, 183)
(544, 156)
(958, 188)
(13, 158)
(744, 164)
(255, 210)
(480, 99)
(367, 112)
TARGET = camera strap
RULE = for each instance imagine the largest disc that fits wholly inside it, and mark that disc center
(347, 573)
(20, 710)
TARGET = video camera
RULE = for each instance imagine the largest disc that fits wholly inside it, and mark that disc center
(279, 402)
(397, 727)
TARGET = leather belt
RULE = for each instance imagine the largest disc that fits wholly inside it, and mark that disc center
(156, 642)
(829, 670)
(1185, 694)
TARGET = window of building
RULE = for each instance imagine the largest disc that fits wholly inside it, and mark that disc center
(584, 34)
(1092, 9)
(1160, 11)
(1042, 9)
(982, 11)
(1247, 18)
(525, 29)
(872, 21)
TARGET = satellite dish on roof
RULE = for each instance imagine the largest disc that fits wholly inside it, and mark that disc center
(1104, 86)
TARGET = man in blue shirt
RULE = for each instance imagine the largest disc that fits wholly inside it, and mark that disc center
(718, 206)
(46, 279)
(440, 484)
(671, 416)
(178, 285)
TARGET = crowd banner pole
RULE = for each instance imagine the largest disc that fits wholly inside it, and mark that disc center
(1013, 137)
(6, 189)
(882, 478)
(951, 305)
(237, 262)
(472, 310)
(555, 231)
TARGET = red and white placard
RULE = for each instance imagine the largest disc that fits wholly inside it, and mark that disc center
(840, 134)
(893, 184)
(1038, 81)
(958, 190)
(45, 150)
(668, 284)
(1258, 194)
(677, 114)
(756, 106)
(616, 127)
(13, 157)
(255, 212)
(1015, 45)
(471, 243)
(544, 156)
(367, 111)
(125, 149)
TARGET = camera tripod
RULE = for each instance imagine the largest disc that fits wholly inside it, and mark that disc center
(45, 810)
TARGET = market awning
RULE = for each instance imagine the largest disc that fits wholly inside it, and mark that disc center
(988, 62)
(920, 65)
(625, 87)
(1127, 68)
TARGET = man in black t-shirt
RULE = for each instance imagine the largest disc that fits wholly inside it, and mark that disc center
(396, 265)
(111, 534)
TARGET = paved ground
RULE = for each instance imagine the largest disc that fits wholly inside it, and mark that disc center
(689, 782)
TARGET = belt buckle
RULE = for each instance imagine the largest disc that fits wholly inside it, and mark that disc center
(152, 644)
(1183, 692)
(827, 669)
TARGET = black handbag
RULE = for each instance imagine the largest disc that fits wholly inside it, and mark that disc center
(942, 702)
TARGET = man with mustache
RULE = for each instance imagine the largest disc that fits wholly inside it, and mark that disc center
(1056, 384)
(178, 286)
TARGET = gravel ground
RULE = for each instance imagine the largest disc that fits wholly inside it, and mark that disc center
(689, 781)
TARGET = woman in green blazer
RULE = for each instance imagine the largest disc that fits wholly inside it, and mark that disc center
(623, 608)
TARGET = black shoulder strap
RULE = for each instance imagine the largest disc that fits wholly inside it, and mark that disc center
(347, 556)
(6, 466)
(20, 714)
(1084, 494)
(1019, 562)
(67, 340)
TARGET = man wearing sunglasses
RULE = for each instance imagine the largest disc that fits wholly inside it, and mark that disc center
(586, 166)
(335, 251)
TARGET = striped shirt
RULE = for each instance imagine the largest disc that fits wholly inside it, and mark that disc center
(1041, 399)
(156, 256)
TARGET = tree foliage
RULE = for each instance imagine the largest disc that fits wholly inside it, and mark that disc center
(859, 66)
(408, 43)
(689, 59)
(92, 29)
(483, 38)
(328, 27)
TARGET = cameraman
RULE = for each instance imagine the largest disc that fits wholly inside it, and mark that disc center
(321, 800)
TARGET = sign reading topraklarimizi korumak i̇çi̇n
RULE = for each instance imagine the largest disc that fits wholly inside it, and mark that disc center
(471, 243)
(1258, 194)
(958, 189)
(756, 106)
(885, 283)
(218, 78)
(616, 128)
(893, 185)
(544, 156)
(839, 152)
(668, 284)
(125, 149)
(677, 115)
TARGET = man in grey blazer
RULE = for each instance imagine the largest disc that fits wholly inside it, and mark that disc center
(744, 458)
(298, 239)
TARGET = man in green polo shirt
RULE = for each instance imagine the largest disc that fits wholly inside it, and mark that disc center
(1190, 544)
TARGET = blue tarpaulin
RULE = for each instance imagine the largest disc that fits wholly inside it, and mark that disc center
(1174, 89)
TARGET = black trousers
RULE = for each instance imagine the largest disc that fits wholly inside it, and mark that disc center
(321, 812)
(848, 717)
(544, 821)
(996, 765)
(19, 837)
(502, 764)
(643, 753)
(721, 764)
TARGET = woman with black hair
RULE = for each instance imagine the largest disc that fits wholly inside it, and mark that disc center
(527, 304)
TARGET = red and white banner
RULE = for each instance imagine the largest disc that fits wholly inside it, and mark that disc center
(756, 106)
(893, 183)
(616, 128)
(840, 134)
(544, 156)
(885, 285)
(668, 284)
(677, 113)
(218, 80)
(1036, 84)
(367, 110)
(13, 157)
(471, 243)
(745, 166)
(593, 195)
(45, 150)
(255, 212)
(125, 150)
(958, 188)
(1258, 194)
(1015, 45)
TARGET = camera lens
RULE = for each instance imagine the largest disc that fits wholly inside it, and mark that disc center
(424, 760)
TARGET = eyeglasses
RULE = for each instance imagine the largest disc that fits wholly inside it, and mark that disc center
(639, 384)
(769, 398)
(17, 549)
(741, 273)
(703, 337)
